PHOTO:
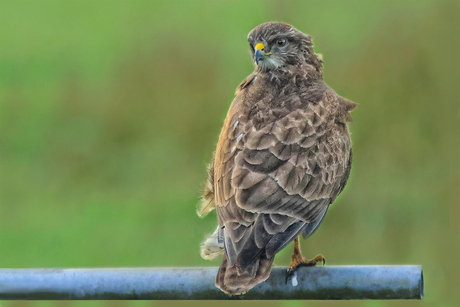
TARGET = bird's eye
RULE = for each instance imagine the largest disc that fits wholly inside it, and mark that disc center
(281, 42)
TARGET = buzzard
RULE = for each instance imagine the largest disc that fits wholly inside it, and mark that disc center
(283, 156)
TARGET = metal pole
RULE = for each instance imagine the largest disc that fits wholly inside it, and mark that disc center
(319, 283)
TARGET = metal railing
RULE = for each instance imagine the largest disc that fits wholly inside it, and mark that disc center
(319, 283)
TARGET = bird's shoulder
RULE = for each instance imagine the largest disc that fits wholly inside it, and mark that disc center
(265, 99)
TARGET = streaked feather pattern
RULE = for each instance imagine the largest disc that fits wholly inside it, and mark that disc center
(283, 156)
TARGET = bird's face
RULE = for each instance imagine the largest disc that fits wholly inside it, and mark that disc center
(275, 44)
(272, 54)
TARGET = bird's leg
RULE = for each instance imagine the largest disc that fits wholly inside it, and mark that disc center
(299, 261)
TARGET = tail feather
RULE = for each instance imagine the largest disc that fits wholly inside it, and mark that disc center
(244, 268)
(234, 282)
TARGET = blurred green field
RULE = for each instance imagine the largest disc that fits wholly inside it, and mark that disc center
(110, 110)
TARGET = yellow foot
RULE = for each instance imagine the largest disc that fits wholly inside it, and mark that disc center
(298, 261)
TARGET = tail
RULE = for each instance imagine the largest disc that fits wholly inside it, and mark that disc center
(249, 256)
(234, 281)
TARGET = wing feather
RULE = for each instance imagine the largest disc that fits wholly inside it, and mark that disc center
(276, 180)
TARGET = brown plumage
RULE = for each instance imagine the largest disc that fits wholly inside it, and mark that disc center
(283, 156)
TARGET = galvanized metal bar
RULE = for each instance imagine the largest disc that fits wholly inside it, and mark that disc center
(319, 283)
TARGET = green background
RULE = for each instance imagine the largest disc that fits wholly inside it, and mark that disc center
(110, 111)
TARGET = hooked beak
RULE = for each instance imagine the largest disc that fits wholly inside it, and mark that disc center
(259, 53)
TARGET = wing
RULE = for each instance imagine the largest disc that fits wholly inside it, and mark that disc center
(274, 182)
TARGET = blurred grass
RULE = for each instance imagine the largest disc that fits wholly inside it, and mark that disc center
(109, 112)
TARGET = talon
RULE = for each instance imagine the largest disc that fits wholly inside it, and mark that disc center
(299, 261)
(289, 274)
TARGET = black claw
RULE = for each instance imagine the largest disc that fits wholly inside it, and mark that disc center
(324, 261)
(289, 274)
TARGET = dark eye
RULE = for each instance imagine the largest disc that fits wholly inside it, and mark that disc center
(281, 42)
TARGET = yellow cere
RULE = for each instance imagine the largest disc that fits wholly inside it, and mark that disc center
(260, 46)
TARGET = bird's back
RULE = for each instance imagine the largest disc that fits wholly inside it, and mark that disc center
(283, 156)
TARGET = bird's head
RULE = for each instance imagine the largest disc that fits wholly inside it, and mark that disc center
(278, 44)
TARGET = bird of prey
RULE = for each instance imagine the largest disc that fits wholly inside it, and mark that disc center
(283, 156)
